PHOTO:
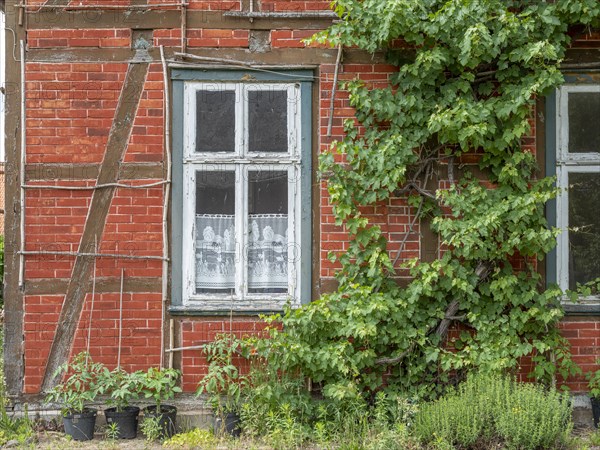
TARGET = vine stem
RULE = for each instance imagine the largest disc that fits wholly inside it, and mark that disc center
(408, 232)
(334, 89)
(482, 270)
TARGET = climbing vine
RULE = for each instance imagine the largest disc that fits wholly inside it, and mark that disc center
(469, 87)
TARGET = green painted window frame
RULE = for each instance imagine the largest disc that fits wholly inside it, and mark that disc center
(304, 79)
(585, 308)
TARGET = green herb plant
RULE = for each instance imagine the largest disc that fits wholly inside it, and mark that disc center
(487, 410)
(80, 386)
(223, 383)
(160, 385)
(121, 386)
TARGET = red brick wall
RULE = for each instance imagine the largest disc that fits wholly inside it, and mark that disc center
(584, 336)
(70, 107)
(196, 332)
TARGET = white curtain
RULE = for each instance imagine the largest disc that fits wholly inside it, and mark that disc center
(215, 252)
(268, 252)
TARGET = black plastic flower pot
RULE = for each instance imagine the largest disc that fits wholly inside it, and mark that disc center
(166, 418)
(80, 426)
(596, 410)
(126, 421)
(229, 423)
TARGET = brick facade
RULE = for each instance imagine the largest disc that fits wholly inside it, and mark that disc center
(70, 105)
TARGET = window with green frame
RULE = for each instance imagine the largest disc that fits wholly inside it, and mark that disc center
(242, 190)
(574, 157)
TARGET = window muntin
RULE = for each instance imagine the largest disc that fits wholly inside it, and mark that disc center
(242, 207)
(578, 175)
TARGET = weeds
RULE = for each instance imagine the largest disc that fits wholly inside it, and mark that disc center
(112, 431)
(151, 428)
(11, 428)
(281, 413)
(192, 439)
(595, 438)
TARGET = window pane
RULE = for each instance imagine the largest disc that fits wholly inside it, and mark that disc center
(268, 232)
(215, 232)
(584, 227)
(215, 121)
(584, 122)
(267, 121)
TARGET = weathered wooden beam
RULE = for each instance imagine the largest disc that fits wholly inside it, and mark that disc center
(13, 296)
(89, 171)
(273, 15)
(101, 200)
(169, 18)
(275, 57)
(53, 286)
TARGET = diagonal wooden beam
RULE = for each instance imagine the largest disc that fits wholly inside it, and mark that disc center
(101, 200)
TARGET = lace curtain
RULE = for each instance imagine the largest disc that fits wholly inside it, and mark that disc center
(267, 253)
(215, 252)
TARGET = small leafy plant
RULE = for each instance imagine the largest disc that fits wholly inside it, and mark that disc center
(160, 385)
(594, 382)
(112, 431)
(152, 428)
(223, 383)
(121, 386)
(81, 385)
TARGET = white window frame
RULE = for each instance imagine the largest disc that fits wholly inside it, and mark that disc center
(567, 163)
(241, 161)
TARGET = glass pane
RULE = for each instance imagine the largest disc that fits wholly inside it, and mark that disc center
(267, 232)
(215, 121)
(584, 227)
(215, 232)
(267, 121)
(584, 122)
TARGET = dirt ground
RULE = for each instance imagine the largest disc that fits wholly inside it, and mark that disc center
(50, 440)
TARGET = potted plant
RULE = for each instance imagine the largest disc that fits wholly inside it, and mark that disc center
(122, 387)
(594, 386)
(223, 383)
(160, 385)
(78, 389)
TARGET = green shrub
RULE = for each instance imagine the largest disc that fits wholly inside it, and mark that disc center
(535, 418)
(493, 408)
